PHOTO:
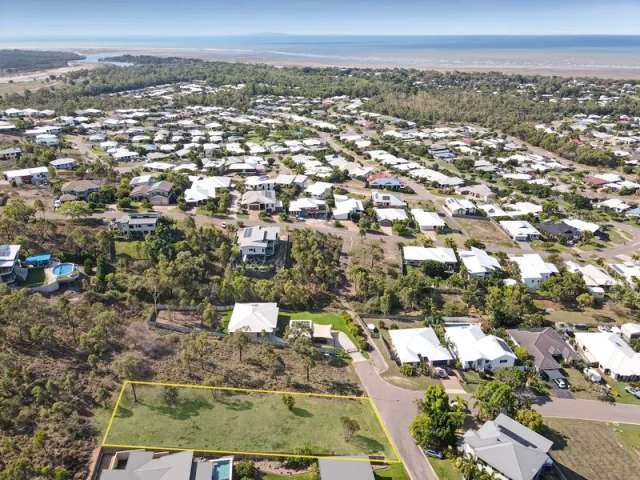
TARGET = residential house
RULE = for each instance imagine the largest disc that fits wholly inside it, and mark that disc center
(594, 277)
(319, 190)
(459, 207)
(346, 208)
(382, 180)
(547, 348)
(256, 319)
(418, 345)
(480, 192)
(309, 208)
(584, 227)
(259, 242)
(414, 255)
(8, 262)
(142, 464)
(428, 221)
(560, 232)
(508, 449)
(12, 153)
(64, 163)
(477, 351)
(261, 200)
(343, 469)
(478, 263)
(35, 175)
(614, 204)
(158, 193)
(204, 188)
(533, 269)
(261, 182)
(520, 230)
(386, 200)
(630, 271)
(136, 224)
(386, 216)
(47, 139)
(630, 331)
(609, 352)
(80, 189)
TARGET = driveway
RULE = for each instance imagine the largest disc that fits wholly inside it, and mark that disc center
(397, 407)
(589, 410)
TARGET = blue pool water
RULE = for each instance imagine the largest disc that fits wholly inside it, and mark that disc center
(63, 269)
(222, 470)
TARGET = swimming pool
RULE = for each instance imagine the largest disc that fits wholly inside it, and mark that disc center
(63, 269)
(222, 469)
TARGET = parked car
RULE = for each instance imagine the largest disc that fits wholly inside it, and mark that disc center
(433, 453)
(593, 375)
(633, 391)
(561, 383)
(440, 372)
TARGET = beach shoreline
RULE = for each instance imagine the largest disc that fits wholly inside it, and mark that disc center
(238, 55)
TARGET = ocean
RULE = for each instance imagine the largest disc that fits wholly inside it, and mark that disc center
(616, 55)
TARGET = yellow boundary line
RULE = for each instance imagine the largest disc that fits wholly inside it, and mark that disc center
(261, 454)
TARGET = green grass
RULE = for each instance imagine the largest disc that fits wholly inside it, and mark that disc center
(392, 472)
(473, 381)
(35, 276)
(580, 386)
(297, 476)
(323, 318)
(133, 249)
(619, 393)
(246, 422)
(594, 450)
(445, 469)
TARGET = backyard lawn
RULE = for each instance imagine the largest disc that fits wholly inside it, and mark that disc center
(323, 318)
(133, 249)
(35, 276)
(445, 469)
(595, 450)
(203, 419)
(392, 472)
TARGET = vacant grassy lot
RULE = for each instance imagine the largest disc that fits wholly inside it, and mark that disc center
(608, 314)
(246, 422)
(595, 450)
(485, 231)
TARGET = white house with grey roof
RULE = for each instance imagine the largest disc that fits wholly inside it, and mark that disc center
(508, 449)
(147, 465)
(478, 263)
(259, 242)
(258, 319)
(533, 269)
(417, 345)
(478, 351)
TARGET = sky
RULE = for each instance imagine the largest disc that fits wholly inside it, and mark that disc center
(95, 18)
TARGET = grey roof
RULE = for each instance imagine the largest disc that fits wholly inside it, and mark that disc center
(331, 469)
(257, 235)
(142, 466)
(543, 345)
(509, 447)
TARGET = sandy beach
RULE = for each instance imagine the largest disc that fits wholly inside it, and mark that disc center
(284, 59)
